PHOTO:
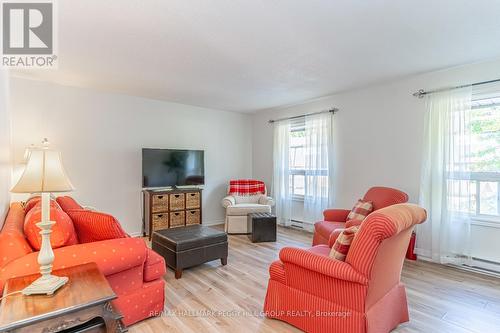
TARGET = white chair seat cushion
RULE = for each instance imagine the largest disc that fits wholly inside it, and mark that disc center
(247, 208)
(249, 199)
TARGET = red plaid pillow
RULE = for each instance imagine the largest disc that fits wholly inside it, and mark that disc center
(360, 210)
(247, 187)
(343, 243)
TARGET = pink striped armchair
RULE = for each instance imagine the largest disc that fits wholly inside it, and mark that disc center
(364, 294)
(337, 218)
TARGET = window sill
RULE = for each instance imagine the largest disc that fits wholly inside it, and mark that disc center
(486, 222)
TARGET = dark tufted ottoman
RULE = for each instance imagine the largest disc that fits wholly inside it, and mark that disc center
(190, 246)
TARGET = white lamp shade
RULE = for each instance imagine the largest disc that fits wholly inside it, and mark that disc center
(44, 173)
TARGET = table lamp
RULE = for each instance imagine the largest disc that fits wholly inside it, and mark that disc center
(44, 174)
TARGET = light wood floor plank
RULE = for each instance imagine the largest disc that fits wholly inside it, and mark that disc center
(441, 298)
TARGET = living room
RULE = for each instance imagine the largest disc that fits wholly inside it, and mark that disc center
(337, 164)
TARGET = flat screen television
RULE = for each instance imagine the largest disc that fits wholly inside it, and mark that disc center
(172, 167)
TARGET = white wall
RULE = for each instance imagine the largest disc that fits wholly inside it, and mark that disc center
(101, 135)
(378, 137)
(5, 148)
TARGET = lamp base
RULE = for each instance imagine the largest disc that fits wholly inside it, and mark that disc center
(46, 284)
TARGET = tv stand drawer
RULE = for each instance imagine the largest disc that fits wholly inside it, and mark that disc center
(177, 219)
(160, 221)
(177, 201)
(193, 216)
(160, 203)
(193, 200)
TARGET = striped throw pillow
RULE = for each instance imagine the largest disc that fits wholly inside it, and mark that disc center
(360, 210)
(343, 243)
(94, 226)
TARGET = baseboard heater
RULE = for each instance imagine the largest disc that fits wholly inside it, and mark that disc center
(484, 266)
(297, 224)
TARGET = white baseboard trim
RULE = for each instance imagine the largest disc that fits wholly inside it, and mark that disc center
(213, 222)
(136, 234)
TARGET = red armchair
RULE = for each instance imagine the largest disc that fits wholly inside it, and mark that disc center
(336, 218)
(364, 294)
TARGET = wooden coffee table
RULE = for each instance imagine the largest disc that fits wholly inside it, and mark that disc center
(83, 304)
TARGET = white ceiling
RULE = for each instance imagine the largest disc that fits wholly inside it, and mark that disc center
(246, 55)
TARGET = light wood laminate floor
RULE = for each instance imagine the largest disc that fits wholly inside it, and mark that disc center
(441, 299)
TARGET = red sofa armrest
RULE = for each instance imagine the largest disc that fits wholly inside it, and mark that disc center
(277, 272)
(321, 264)
(154, 267)
(336, 215)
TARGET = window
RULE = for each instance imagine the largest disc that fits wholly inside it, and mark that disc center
(482, 183)
(312, 178)
(297, 162)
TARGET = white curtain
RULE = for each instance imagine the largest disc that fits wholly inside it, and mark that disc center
(445, 189)
(318, 165)
(281, 175)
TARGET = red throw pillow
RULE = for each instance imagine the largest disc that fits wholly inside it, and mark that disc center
(36, 200)
(94, 226)
(360, 210)
(343, 243)
(68, 203)
(63, 232)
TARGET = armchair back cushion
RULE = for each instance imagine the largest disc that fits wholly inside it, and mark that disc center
(384, 196)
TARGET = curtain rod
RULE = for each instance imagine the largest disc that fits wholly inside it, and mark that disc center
(332, 110)
(421, 93)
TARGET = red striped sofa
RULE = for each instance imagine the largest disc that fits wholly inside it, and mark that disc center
(364, 294)
(134, 271)
(336, 218)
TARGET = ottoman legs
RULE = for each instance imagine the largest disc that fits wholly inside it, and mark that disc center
(223, 261)
(178, 273)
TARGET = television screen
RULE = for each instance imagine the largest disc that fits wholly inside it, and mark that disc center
(172, 167)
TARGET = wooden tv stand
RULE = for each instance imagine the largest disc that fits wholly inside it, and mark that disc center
(164, 209)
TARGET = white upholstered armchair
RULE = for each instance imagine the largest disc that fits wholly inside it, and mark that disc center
(245, 196)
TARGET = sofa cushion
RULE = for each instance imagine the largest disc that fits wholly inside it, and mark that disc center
(63, 232)
(111, 256)
(343, 243)
(68, 203)
(247, 208)
(360, 210)
(93, 226)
